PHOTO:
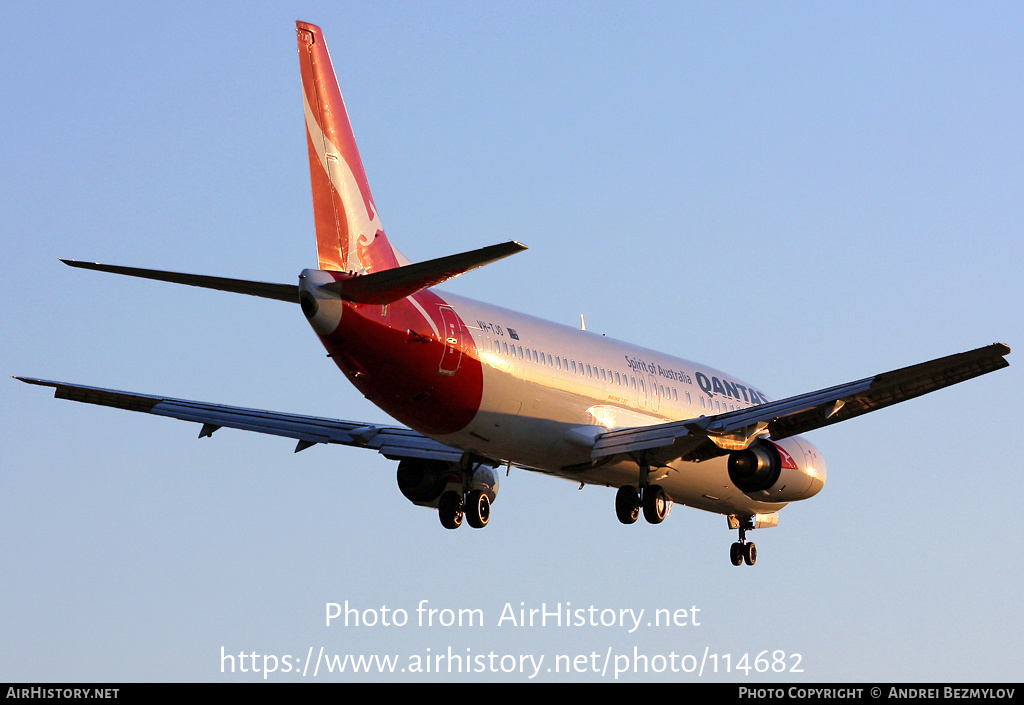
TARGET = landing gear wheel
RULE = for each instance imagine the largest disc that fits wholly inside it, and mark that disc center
(742, 551)
(478, 509)
(736, 552)
(627, 504)
(750, 554)
(655, 504)
(450, 509)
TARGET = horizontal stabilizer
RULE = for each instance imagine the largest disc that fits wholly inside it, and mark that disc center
(393, 284)
(281, 292)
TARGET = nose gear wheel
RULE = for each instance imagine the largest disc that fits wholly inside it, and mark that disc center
(743, 551)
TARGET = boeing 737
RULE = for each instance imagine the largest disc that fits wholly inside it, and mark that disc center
(477, 387)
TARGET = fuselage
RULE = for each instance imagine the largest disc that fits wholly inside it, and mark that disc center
(504, 385)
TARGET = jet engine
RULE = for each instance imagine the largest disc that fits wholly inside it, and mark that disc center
(423, 481)
(755, 468)
(775, 472)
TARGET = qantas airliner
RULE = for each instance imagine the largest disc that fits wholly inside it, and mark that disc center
(479, 387)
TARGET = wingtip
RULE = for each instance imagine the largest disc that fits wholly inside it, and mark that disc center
(998, 350)
(34, 380)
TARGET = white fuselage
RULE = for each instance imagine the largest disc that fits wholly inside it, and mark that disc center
(548, 389)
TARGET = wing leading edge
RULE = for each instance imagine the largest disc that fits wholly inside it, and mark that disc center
(707, 436)
(393, 442)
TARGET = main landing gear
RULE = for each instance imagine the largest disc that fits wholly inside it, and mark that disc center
(650, 498)
(453, 506)
(742, 552)
(653, 501)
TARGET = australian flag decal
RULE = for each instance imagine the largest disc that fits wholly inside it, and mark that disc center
(512, 333)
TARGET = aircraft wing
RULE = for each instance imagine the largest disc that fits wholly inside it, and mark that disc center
(707, 436)
(393, 442)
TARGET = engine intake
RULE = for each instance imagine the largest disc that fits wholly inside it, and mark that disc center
(422, 481)
(756, 468)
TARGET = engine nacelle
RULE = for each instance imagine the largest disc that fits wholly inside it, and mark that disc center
(755, 468)
(423, 481)
(785, 471)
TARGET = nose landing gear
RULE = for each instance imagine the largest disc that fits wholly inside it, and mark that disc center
(742, 552)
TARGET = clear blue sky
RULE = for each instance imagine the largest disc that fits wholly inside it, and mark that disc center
(801, 195)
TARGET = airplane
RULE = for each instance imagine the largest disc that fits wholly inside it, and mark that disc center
(478, 387)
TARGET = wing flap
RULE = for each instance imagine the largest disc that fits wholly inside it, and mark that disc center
(678, 435)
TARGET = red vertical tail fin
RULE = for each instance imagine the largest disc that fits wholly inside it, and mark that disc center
(349, 234)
